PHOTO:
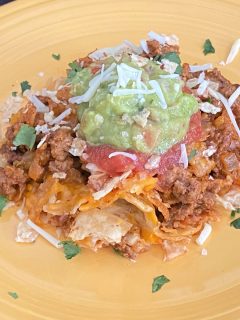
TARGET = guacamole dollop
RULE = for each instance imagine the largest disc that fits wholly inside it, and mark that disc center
(142, 120)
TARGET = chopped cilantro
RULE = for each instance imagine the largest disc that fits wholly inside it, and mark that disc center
(158, 282)
(26, 136)
(235, 223)
(75, 68)
(118, 252)
(233, 212)
(14, 295)
(25, 86)
(208, 47)
(192, 154)
(14, 93)
(3, 203)
(209, 100)
(70, 248)
(171, 56)
(56, 56)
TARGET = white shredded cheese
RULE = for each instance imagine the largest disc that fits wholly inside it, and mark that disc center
(220, 97)
(169, 76)
(44, 234)
(62, 116)
(154, 36)
(156, 87)
(234, 96)
(204, 252)
(162, 38)
(184, 156)
(125, 154)
(94, 84)
(169, 66)
(144, 46)
(234, 51)
(205, 233)
(201, 77)
(191, 83)
(209, 151)
(208, 108)
(127, 73)
(197, 68)
(126, 92)
(40, 107)
(59, 175)
(41, 129)
(42, 141)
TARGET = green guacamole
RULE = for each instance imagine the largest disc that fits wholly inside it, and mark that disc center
(135, 121)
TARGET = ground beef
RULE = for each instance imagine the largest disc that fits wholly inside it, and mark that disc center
(60, 166)
(131, 244)
(10, 155)
(64, 94)
(12, 182)
(39, 164)
(60, 143)
(156, 48)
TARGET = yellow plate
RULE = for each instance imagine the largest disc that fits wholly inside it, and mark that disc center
(104, 285)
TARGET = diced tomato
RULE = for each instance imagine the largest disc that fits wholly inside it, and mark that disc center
(99, 155)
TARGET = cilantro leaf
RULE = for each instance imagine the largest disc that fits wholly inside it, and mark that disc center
(74, 69)
(14, 295)
(233, 212)
(158, 282)
(25, 86)
(14, 93)
(235, 223)
(71, 249)
(56, 56)
(3, 203)
(26, 136)
(208, 47)
(192, 154)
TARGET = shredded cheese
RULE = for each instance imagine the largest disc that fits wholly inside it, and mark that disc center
(40, 107)
(234, 51)
(94, 84)
(202, 88)
(44, 234)
(224, 101)
(234, 96)
(169, 76)
(155, 85)
(125, 154)
(62, 116)
(205, 233)
(197, 68)
(42, 141)
(209, 108)
(144, 46)
(184, 156)
(126, 92)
